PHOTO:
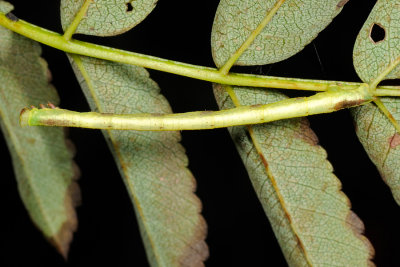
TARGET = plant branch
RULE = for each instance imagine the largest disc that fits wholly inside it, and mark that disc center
(78, 18)
(228, 65)
(198, 72)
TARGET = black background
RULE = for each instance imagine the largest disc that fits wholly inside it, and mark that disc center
(239, 233)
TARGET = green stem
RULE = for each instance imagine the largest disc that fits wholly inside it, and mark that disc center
(324, 102)
(228, 65)
(75, 23)
(198, 72)
(232, 95)
(387, 91)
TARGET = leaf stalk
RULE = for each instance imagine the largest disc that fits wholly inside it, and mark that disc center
(193, 71)
(270, 14)
(77, 20)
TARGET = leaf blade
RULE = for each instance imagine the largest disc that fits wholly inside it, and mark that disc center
(309, 214)
(380, 140)
(371, 57)
(295, 25)
(105, 17)
(43, 164)
(174, 233)
(296, 186)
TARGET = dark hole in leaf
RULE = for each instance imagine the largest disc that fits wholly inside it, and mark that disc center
(129, 7)
(377, 33)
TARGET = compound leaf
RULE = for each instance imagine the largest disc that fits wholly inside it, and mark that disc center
(295, 25)
(106, 17)
(153, 164)
(378, 45)
(302, 198)
(41, 156)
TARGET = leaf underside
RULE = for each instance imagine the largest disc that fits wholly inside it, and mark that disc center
(153, 164)
(106, 17)
(371, 57)
(42, 157)
(295, 25)
(302, 198)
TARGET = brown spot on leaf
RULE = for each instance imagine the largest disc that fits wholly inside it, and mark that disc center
(394, 141)
(354, 223)
(348, 104)
(197, 251)
(72, 199)
(62, 239)
(342, 3)
(306, 133)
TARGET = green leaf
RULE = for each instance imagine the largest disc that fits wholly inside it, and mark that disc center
(301, 196)
(106, 17)
(42, 162)
(381, 141)
(373, 52)
(295, 25)
(153, 164)
(372, 57)
(5, 7)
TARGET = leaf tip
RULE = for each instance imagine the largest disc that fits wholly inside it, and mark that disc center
(63, 238)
